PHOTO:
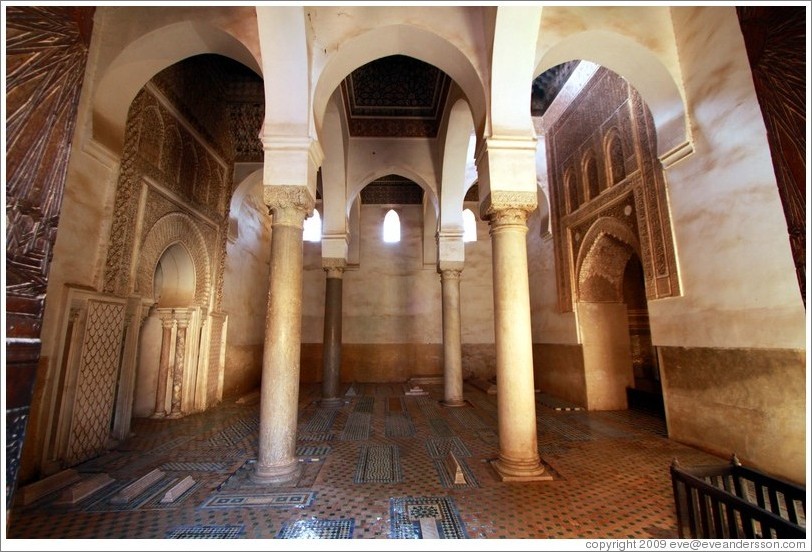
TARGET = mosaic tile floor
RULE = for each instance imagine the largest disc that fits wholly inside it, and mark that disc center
(376, 468)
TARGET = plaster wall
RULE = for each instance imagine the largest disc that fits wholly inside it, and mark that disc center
(245, 295)
(748, 401)
(371, 158)
(392, 319)
(736, 268)
(649, 26)
(607, 354)
(331, 26)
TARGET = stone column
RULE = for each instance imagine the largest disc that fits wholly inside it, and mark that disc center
(167, 322)
(279, 399)
(516, 403)
(182, 319)
(452, 336)
(332, 335)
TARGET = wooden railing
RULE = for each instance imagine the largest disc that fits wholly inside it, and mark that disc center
(732, 501)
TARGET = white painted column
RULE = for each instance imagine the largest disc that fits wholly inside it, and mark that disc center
(279, 400)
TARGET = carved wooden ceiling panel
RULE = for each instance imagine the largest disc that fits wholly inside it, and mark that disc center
(395, 96)
(392, 190)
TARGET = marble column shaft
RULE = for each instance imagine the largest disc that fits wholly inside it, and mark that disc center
(163, 366)
(516, 406)
(452, 338)
(277, 462)
(332, 337)
(180, 356)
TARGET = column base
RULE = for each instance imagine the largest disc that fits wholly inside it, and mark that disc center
(331, 402)
(520, 471)
(276, 475)
(174, 415)
(455, 403)
(158, 415)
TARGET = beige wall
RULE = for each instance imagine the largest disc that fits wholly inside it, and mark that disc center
(736, 268)
(748, 401)
(392, 320)
(245, 294)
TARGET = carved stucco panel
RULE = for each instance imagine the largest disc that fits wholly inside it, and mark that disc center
(171, 229)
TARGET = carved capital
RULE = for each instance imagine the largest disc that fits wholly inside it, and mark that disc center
(450, 274)
(182, 317)
(501, 201)
(334, 267)
(167, 319)
(289, 205)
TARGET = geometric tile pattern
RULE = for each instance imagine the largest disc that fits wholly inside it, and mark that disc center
(428, 407)
(266, 500)
(607, 486)
(357, 427)
(406, 513)
(439, 447)
(321, 422)
(557, 423)
(445, 478)
(317, 529)
(235, 433)
(194, 466)
(399, 425)
(364, 404)
(378, 464)
(96, 386)
(468, 418)
(440, 427)
(312, 451)
(206, 532)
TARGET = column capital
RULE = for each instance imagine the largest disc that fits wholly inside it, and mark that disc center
(182, 317)
(333, 267)
(289, 205)
(450, 273)
(508, 205)
(167, 317)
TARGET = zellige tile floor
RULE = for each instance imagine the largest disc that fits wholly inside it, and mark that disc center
(376, 468)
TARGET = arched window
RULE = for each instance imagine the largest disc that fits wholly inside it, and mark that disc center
(591, 176)
(616, 159)
(469, 226)
(571, 186)
(391, 227)
(312, 227)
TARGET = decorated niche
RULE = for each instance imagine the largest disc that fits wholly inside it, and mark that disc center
(167, 168)
(603, 167)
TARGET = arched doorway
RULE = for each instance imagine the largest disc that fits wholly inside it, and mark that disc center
(602, 313)
(646, 392)
(173, 287)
